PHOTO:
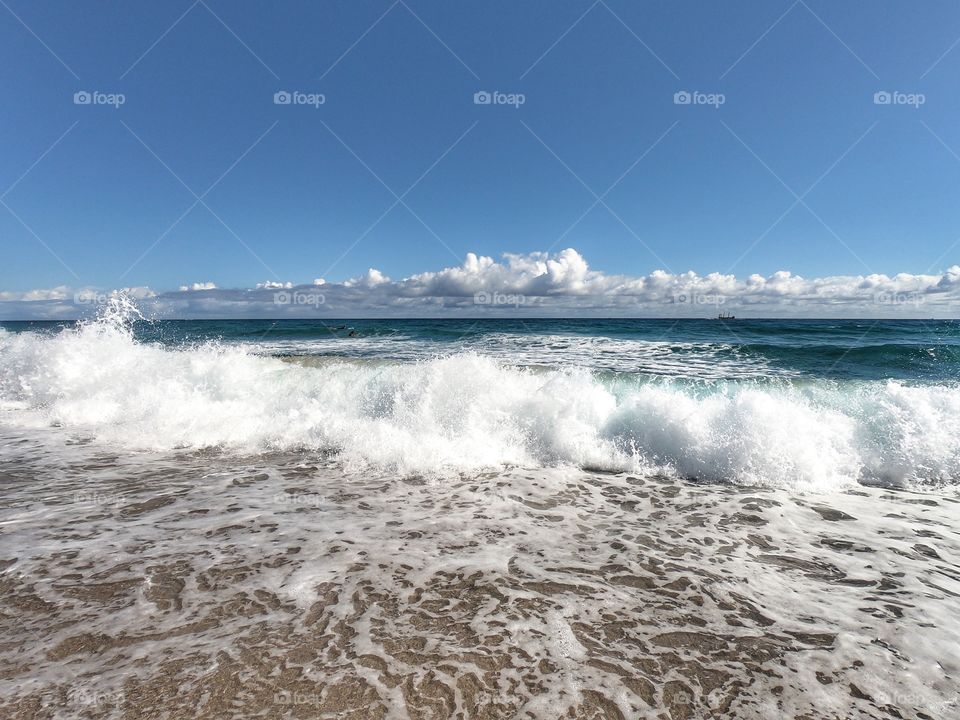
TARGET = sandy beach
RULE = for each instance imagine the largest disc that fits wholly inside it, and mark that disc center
(198, 585)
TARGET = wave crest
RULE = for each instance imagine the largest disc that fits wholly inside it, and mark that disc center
(467, 412)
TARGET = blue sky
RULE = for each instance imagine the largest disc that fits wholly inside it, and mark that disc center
(798, 169)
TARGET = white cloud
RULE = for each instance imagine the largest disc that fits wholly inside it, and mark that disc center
(271, 285)
(139, 293)
(541, 285)
(198, 286)
(373, 278)
(61, 292)
(82, 295)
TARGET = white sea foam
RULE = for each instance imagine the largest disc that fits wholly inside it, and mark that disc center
(654, 356)
(468, 412)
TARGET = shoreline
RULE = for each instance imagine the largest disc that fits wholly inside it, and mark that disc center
(196, 587)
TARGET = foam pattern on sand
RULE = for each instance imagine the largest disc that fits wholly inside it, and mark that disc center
(201, 585)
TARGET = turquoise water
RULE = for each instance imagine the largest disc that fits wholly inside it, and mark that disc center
(799, 404)
(827, 349)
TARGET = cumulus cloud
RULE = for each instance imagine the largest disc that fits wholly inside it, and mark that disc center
(541, 285)
(272, 285)
(62, 300)
(197, 286)
(372, 279)
(61, 292)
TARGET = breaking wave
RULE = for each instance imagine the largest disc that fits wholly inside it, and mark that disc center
(468, 412)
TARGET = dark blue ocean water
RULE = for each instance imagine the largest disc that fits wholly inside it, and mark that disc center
(844, 349)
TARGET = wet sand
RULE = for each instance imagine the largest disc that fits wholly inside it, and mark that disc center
(204, 586)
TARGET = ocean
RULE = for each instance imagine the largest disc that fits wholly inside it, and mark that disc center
(480, 518)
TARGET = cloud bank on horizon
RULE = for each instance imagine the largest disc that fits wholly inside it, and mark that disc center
(536, 284)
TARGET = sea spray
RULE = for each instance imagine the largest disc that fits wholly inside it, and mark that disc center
(466, 412)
